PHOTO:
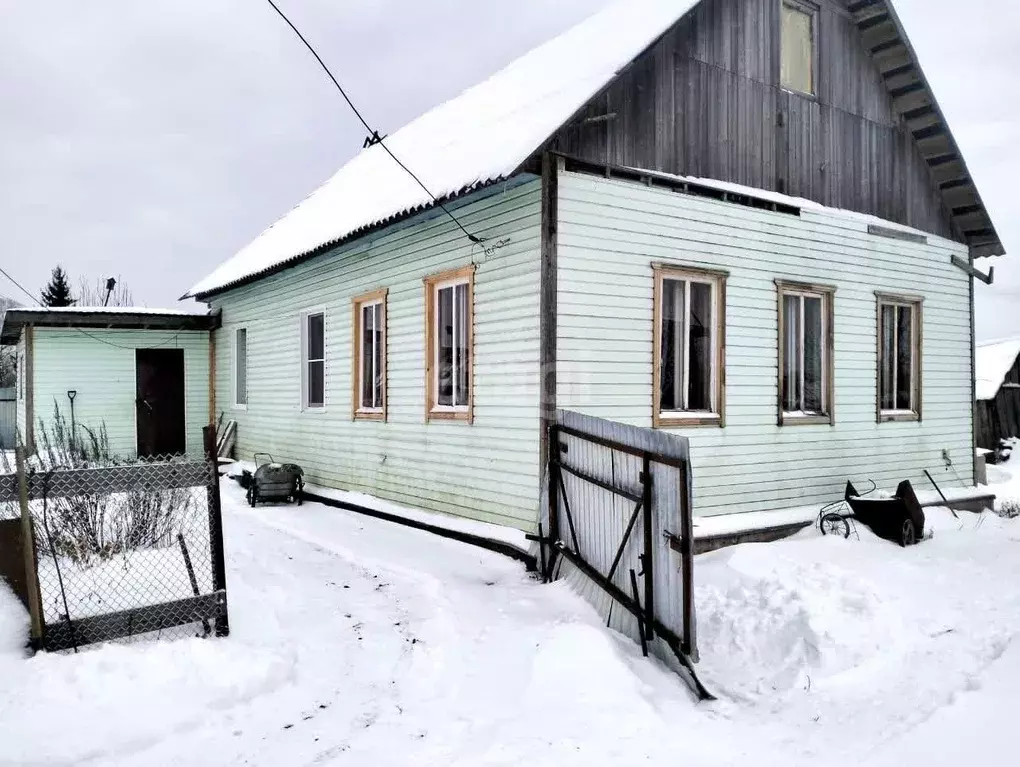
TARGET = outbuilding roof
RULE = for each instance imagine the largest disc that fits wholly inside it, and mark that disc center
(101, 317)
(992, 363)
(488, 133)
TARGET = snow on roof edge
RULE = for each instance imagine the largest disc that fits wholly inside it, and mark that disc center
(480, 136)
(992, 362)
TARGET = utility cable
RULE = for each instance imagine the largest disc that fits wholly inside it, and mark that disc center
(374, 137)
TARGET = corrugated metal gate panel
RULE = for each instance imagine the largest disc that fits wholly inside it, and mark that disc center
(602, 519)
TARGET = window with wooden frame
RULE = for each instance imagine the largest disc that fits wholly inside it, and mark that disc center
(806, 370)
(449, 345)
(241, 368)
(368, 345)
(899, 357)
(313, 361)
(689, 347)
(799, 46)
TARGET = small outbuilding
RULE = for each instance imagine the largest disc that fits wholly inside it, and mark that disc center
(142, 375)
(997, 390)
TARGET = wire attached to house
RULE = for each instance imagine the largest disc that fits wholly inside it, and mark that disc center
(373, 135)
(19, 286)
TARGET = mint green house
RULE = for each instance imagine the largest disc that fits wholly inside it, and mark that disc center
(746, 222)
(141, 374)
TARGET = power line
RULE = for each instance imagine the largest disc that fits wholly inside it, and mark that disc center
(374, 137)
(20, 287)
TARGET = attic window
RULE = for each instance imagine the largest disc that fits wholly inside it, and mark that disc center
(799, 46)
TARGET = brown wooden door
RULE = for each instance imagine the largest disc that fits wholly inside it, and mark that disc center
(159, 404)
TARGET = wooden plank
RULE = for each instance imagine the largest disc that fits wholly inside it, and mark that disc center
(64, 635)
(28, 549)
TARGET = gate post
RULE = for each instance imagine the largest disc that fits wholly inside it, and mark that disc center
(28, 547)
(646, 509)
(219, 567)
(553, 473)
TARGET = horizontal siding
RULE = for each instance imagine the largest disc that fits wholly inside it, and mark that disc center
(21, 398)
(100, 366)
(611, 231)
(487, 470)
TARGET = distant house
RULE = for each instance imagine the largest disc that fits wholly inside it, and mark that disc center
(745, 221)
(997, 376)
(143, 374)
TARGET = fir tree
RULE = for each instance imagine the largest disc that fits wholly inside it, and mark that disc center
(58, 292)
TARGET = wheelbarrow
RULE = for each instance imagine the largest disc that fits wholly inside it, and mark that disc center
(899, 519)
(273, 482)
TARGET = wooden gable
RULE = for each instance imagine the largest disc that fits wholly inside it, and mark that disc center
(705, 100)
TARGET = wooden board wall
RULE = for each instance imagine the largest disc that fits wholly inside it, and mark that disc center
(705, 101)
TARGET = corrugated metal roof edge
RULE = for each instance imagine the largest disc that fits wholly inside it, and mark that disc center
(353, 236)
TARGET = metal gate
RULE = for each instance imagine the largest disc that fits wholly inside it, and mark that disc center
(617, 523)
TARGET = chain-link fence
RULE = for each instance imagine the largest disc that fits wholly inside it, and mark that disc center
(121, 551)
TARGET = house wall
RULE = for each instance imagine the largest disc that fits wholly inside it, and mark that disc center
(999, 418)
(706, 101)
(100, 366)
(486, 470)
(611, 231)
(21, 419)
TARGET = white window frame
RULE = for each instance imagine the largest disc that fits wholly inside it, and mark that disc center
(814, 12)
(716, 280)
(247, 370)
(305, 317)
(360, 304)
(916, 305)
(434, 284)
(827, 295)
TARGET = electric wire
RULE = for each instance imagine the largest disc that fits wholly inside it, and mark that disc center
(374, 137)
(19, 286)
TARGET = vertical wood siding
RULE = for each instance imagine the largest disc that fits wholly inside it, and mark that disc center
(999, 418)
(705, 101)
(610, 233)
(104, 377)
(486, 470)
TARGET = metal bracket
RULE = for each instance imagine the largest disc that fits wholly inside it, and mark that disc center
(372, 140)
(967, 267)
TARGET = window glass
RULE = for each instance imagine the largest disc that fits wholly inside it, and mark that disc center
(463, 363)
(368, 356)
(687, 346)
(813, 355)
(316, 362)
(887, 376)
(445, 345)
(241, 367)
(791, 353)
(798, 48)
(805, 353)
(904, 358)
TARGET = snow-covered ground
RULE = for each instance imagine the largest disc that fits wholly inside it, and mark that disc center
(356, 641)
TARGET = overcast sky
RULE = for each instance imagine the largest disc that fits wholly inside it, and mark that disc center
(152, 140)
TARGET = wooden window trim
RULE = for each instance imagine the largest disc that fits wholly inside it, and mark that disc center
(357, 304)
(916, 302)
(661, 272)
(462, 275)
(233, 379)
(814, 10)
(828, 295)
(305, 315)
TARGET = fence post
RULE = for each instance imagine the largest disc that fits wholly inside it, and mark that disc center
(649, 558)
(219, 567)
(553, 474)
(28, 547)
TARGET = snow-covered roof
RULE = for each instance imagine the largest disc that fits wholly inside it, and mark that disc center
(489, 131)
(100, 317)
(992, 362)
(481, 136)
